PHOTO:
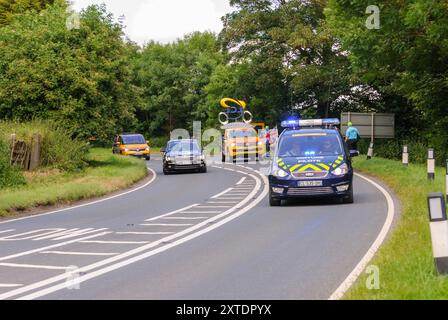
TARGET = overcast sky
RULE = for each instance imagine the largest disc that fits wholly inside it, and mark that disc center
(164, 20)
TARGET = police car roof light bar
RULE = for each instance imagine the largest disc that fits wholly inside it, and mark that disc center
(291, 124)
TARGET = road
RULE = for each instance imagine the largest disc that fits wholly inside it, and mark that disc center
(191, 236)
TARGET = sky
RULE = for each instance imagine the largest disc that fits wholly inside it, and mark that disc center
(164, 20)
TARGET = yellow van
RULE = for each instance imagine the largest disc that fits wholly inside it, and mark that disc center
(131, 144)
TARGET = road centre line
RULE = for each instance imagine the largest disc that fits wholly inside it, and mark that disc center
(72, 253)
(10, 285)
(114, 242)
(242, 180)
(186, 218)
(166, 224)
(211, 207)
(221, 193)
(173, 212)
(189, 234)
(205, 212)
(32, 266)
(146, 233)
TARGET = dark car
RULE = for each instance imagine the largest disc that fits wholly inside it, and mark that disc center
(183, 155)
(311, 161)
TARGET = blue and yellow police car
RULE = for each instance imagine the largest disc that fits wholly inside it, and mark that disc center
(311, 160)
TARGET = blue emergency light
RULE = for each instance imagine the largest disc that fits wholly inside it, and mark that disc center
(296, 123)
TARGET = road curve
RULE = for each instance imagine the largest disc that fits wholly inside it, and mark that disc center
(191, 236)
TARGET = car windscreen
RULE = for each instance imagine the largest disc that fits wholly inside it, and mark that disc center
(242, 133)
(183, 147)
(133, 139)
(309, 145)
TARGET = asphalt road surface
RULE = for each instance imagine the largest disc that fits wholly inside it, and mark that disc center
(191, 236)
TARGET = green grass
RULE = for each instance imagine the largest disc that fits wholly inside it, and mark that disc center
(405, 260)
(106, 173)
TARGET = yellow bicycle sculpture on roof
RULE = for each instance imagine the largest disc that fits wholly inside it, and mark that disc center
(234, 111)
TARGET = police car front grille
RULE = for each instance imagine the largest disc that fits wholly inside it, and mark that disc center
(309, 190)
(307, 174)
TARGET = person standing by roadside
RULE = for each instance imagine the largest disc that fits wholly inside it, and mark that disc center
(352, 136)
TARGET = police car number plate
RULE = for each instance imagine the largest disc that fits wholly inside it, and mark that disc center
(310, 183)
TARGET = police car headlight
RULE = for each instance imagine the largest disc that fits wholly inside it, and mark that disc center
(341, 170)
(260, 143)
(280, 173)
(233, 144)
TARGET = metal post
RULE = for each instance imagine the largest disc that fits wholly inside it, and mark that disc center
(405, 155)
(438, 225)
(372, 138)
(431, 164)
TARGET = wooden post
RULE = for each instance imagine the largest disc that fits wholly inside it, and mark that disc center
(11, 146)
(35, 151)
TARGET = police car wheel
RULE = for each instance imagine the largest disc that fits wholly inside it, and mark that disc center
(349, 198)
(274, 202)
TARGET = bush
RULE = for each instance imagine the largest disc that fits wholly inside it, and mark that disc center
(158, 142)
(9, 176)
(59, 150)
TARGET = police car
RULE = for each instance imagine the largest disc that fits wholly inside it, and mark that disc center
(311, 161)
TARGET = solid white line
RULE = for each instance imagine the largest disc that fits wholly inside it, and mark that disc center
(80, 253)
(145, 233)
(173, 212)
(232, 198)
(221, 202)
(351, 278)
(154, 175)
(227, 217)
(166, 224)
(33, 266)
(114, 242)
(242, 180)
(212, 207)
(221, 193)
(10, 285)
(52, 246)
(5, 231)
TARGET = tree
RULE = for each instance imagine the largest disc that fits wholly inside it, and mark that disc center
(81, 78)
(9, 8)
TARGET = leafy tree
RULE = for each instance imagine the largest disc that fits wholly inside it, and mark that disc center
(81, 78)
(8, 8)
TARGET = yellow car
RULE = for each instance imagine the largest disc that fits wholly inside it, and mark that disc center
(241, 140)
(131, 144)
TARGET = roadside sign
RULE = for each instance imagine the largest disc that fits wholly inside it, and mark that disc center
(370, 125)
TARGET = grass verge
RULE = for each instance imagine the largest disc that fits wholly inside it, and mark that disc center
(405, 261)
(105, 173)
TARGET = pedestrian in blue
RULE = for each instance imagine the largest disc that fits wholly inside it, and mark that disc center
(352, 137)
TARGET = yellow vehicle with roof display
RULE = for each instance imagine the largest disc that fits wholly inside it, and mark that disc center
(241, 141)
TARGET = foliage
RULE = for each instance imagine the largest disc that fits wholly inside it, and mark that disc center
(9, 176)
(80, 78)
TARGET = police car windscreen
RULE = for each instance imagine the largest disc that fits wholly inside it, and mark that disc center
(309, 145)
(243, 133)
(134, 139)
(183, 147)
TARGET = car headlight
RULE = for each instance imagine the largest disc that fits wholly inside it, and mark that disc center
(147, 149)
(260, 143)
(126, 149)
(168, 158)
(341, 170)
(202, 157)
(277, 172)
(233, 144)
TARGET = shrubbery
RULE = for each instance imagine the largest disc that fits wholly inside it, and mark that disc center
(9, 176)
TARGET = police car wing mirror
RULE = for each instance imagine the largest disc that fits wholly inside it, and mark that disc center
(354, 153)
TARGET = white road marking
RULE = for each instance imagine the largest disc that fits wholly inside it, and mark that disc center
(351, 278)
(154, 175)
(10, 285)
(242, 180)
(185, 218)
(221, 193)
(33, 266)
(145, 233)
(52, 246)
(211, 207)
(173, 212)
(71, 233)
(221, 202)
(227, 216)
(113, 242)
(80, 253)
(5, 231)
(205, 212)
(166, 224)
(231, 198)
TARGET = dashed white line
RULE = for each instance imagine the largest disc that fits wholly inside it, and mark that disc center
(242, 180)
(173, 212)
(114, 242)
(221, 193)
(185, 218)
(204, 212)
(211, 207)
(222, 202)
(33, 266)
(72, 253)
(5, 231)
(166, 224)
(145, 233)
(10, 285)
